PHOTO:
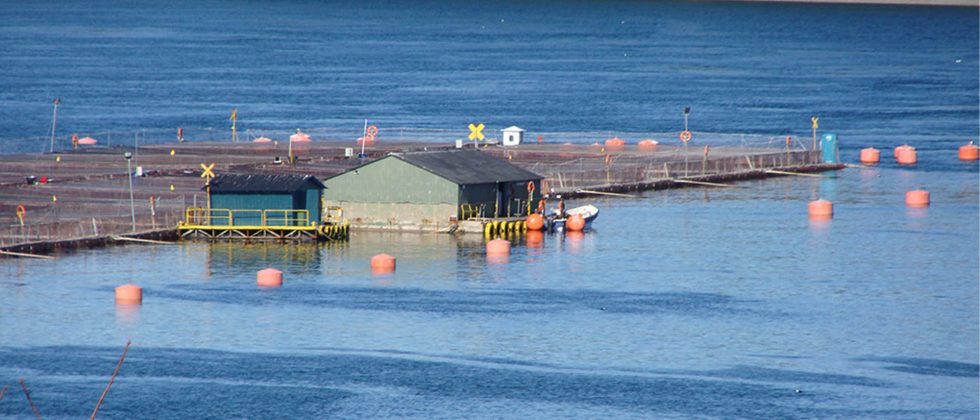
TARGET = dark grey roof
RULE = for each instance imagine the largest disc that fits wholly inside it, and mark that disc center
(256, 183)
(468, 166)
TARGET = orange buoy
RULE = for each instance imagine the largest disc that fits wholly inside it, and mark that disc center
(498, 247)
(917, 198)
(647, 145)
(87, 141)
(262, 140)
(535, 238)
(870, 155)
(535, 222)
(897, 149)
(615, 142)
(300, 141)
(129, 294)
(907, 156)
(969, 152)
(821, 209)
(382, 263)
(575, 223)
(270, 277)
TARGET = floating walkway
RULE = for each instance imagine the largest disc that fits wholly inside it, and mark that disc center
(245, 224)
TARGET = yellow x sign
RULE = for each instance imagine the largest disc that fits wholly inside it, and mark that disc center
(476, 131)
(814, 121)
(207, 171)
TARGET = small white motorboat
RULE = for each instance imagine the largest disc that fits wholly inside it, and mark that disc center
(588, 212)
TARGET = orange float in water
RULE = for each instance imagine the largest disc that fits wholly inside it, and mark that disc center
(382, 263)
(575, 223)
(615, 142)
(535, 222)
(907, 156)
(647, 145)
(821, 209)
(498, 247)
(870, 155)
(535, 238)
(270, 277)
(917, 198)
(129, 294)
(969, 152)
(87, 141)
(300, 141)
(897, 149)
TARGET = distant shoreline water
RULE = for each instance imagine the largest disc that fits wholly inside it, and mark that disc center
(954, 3)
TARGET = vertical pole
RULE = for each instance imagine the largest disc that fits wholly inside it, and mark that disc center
(685, 158)
(132, 204)
(363, 138)
(814, 125)
(54, 122)
(136, 144)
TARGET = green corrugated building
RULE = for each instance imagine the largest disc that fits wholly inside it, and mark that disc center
(266, 192)
(431, 190)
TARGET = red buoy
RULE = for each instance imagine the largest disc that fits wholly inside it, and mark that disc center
(535, 222)
(269, 277)
(615, 143)
(575, 223)
(647, 145)
(870, 155)
(382, 263)
(969, 152)
(498, 247)
(917, 198)
(129, 294)
(907, 156)
(821, 209)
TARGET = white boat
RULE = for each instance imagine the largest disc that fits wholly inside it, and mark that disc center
(588, 212)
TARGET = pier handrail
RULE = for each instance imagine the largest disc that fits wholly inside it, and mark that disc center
(199, 216)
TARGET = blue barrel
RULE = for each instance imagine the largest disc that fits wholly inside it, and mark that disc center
(829, 146)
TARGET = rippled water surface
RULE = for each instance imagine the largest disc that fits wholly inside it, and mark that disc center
(683, 303)
(680, 303)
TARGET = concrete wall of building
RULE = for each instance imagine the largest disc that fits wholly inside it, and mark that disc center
(397, 216)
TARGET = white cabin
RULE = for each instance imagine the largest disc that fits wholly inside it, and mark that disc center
(513, 135)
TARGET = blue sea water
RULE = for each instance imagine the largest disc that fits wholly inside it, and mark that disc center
(685, 303)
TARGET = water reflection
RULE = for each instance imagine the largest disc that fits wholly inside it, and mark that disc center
(225, 258)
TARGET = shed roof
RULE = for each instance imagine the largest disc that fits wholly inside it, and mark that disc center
(263, 183)
(467, 166)
(513, 128)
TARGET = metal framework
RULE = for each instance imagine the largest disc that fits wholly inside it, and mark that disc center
(270, 224)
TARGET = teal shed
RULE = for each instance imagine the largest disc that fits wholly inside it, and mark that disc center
(432, 190)
(261, 199)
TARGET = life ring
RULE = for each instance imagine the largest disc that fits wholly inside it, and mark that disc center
(372, 131)
(21, 211)
(530, 186)
(685, 136)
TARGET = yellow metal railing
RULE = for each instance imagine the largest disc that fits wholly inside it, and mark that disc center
(470, 211)
(197, 216)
